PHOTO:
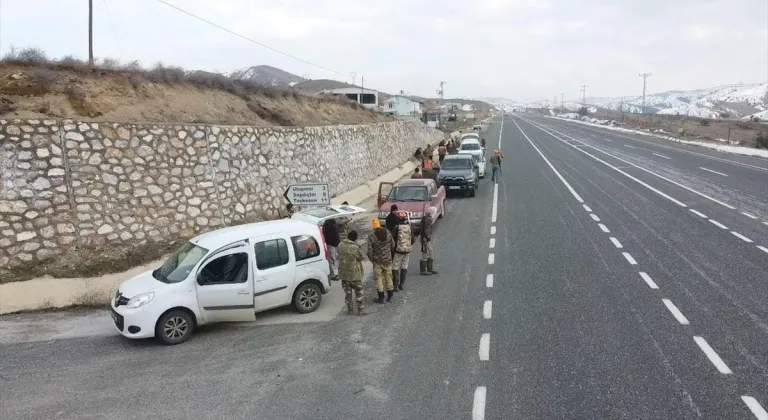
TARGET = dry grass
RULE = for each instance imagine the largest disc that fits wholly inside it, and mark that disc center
(35, 86)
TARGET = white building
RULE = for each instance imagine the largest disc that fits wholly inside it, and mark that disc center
(403, 106)
(368, 98)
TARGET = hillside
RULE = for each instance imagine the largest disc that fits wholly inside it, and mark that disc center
(34, 87)
(730, 101)
(267, 76)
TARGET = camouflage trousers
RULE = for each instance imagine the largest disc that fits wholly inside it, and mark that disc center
(427, 251)
(382, 278)
(357, 288)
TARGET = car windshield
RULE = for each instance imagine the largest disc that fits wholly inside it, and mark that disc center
(457, 164)
(470, 146)
(408, 193)
(178, 266)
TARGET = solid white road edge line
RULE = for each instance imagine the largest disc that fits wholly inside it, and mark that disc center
(762, 248)
(492, 243)
(742, 237)
(478, 404)
(487, 308)
(639, 167)
(491, 258)
(755, 407)
(485, 347)
(675, 312)
(698, 213)
(662, 156)
(710, 170)
(595, 218)
(489, 281)
(586, 207)
(567, 185)
(616, 242)
(718, 224)
(648, 280)
(629, 258)
(493, 230)
(712, 356)
(604, 228)
(494, 210)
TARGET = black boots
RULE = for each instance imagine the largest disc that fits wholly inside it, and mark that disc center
(395, 278)
(430, 267)
(390, 293)
(423, 268)
(380, 299)
(400, 284)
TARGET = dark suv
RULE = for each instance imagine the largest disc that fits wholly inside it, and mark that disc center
(459, 173)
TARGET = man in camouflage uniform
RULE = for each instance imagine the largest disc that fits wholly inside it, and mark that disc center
(380, 245)
(351, 272)
(426, 265)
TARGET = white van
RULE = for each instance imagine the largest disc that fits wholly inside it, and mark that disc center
(472, 146)
(228, 274)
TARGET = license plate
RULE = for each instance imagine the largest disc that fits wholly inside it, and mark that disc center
(454, 187)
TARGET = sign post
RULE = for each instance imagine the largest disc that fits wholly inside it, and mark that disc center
(308, 194)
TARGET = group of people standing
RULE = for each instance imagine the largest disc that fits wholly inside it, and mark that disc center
(389, 248)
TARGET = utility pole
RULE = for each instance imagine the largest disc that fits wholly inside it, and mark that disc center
(90, 32)
(362, 89)
(354, 77)
(562, 103)
(584, 95)
(644, 76)
(554, 102)
(441, 92)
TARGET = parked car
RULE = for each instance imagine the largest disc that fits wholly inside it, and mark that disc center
(460, 173)
(477, 127)
(470, 135)
(228, 274)
(414, 196)
(473, 147)
(318, 215)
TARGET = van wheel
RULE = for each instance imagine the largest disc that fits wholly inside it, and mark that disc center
(307, 298)
(175, 327)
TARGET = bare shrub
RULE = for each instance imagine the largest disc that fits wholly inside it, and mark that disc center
(71, 63)
(44, 78)
(762, 140)
(109, 64)
(75, 94)
(26, 56)
(134, 65)
(168, 75)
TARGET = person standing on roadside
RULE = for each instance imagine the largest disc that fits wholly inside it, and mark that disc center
(404, 240)
(442, 150)
(380, 245)
(427, 155)
(426, 265)
(332, 239)
(416, 174)
(351, 272)
(496, 160)
(391, 220)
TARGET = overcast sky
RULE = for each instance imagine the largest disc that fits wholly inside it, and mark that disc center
(519, 49)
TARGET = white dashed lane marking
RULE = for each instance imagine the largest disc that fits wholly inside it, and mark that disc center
(762, 248)
(586, 207)
(493, 230)
(751, 216)
(491, 258)
(609, 140)
(698, 213)
(755, 407)
(478, 404)
(487, 308)
(495, 209)
(718, 224)
(492, 243)
(604, 228)
(712, 356)
(616, 243)
(714, 172)
(485, 347)
(594, 217)
(489, 281)
(675, 312)
(662, 156)
(648, 280)
(742, 237)
(631, 147)
(629, 258)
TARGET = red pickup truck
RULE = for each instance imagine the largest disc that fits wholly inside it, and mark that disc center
(415, 196)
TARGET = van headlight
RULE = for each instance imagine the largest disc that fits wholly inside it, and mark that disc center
(417, 214)
(140, 300)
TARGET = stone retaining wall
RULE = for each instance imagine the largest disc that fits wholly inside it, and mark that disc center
(72, 184)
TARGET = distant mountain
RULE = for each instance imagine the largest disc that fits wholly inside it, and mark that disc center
(730, 101)
(268, 76)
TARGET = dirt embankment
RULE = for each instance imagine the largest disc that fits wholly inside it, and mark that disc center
(68, 88)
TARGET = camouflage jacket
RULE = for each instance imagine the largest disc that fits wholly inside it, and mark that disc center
(344, 225)
(426, 229)
(350, 261)
(380, 246)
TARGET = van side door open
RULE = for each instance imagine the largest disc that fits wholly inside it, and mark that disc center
(224, 286)
(275, 269)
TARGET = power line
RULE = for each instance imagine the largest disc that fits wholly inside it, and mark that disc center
(584, 95)
(345, 75)
(114, 32)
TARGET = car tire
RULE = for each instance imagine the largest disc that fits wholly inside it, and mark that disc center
(307, 298)
(473, 192)
(174, 327)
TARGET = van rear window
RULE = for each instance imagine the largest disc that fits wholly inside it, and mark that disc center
(305, 247)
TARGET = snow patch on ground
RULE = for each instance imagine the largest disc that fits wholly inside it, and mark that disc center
(613, 125)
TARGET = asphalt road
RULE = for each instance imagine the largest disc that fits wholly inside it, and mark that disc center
(537, 312)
